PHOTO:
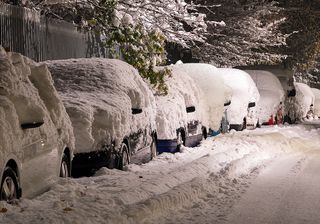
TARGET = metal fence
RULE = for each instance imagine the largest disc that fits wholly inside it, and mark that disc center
(25, 31)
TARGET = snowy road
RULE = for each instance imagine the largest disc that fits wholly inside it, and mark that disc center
(269, 175)
(287, 191)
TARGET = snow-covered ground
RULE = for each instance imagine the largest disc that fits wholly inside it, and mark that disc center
(200, 185)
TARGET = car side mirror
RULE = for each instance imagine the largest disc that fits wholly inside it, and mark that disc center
(31, 125)
(191, 109)
(136, 110)
(227, 103)
(251, 104)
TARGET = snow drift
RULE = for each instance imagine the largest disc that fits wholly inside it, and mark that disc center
(99, 95)
(244, 91)
(271, 93)
(212, 86)
(303, 99)
(174, 188)
(171, 108)
(316, 105)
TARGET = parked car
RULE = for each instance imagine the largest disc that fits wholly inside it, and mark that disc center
(212, 85)
(35, 131)
(241, 112)
(180, 119)
(316, 105)
(112, 111)
(304, 100)
(270, 105)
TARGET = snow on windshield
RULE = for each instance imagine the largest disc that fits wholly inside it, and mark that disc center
(212, 85)
(27, 95)
(99, 95)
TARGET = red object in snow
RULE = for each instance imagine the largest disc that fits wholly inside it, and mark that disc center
(271, 121)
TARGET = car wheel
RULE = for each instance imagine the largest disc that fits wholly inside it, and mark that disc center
(9, 185)
(125, 158)
(153, 148)
(65, 166)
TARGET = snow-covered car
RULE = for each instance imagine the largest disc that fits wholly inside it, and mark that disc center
(316, 106)
(112, 111)
(36, 136)
(212, 85)
(180, 119)
(241, 111)
(304, 101)
(270, 105)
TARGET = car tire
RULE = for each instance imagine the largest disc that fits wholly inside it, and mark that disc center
(153, 148)
(125, 158)
(65, 166)
(9, 186)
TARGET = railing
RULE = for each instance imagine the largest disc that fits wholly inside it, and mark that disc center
(25, 31)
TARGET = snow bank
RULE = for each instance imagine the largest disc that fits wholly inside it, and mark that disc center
(28, 95)
(244, 91)
(204, 177)
(316, 105)
(271, 93)
(99, 95)
(171, 108)
(303, 99)
(212, 85)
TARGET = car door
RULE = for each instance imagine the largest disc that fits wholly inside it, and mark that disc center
(39, 160)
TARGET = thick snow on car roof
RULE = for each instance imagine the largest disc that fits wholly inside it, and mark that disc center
(271, 93)
(316, 105)
(171, 108)
(99, 95)
(27, 95)
(212, 85)
(304, 98)
(244, 91)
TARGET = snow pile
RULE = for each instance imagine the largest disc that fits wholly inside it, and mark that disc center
(316, 105)
(244, 91)
(99, 95)
(27, 96)
(303, 99)
(171, 108)
(210, 175)
(271, 93)
(212, 85)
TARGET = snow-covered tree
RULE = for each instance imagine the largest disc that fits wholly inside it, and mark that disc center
(139, 28)
(241, 33)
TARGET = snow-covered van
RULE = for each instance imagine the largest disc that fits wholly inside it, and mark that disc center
(245, 95)
(179, 117)
(316, 105)
(270, 105)
(36, 137)
(212, 102)
(304, 100)
(112, 111)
